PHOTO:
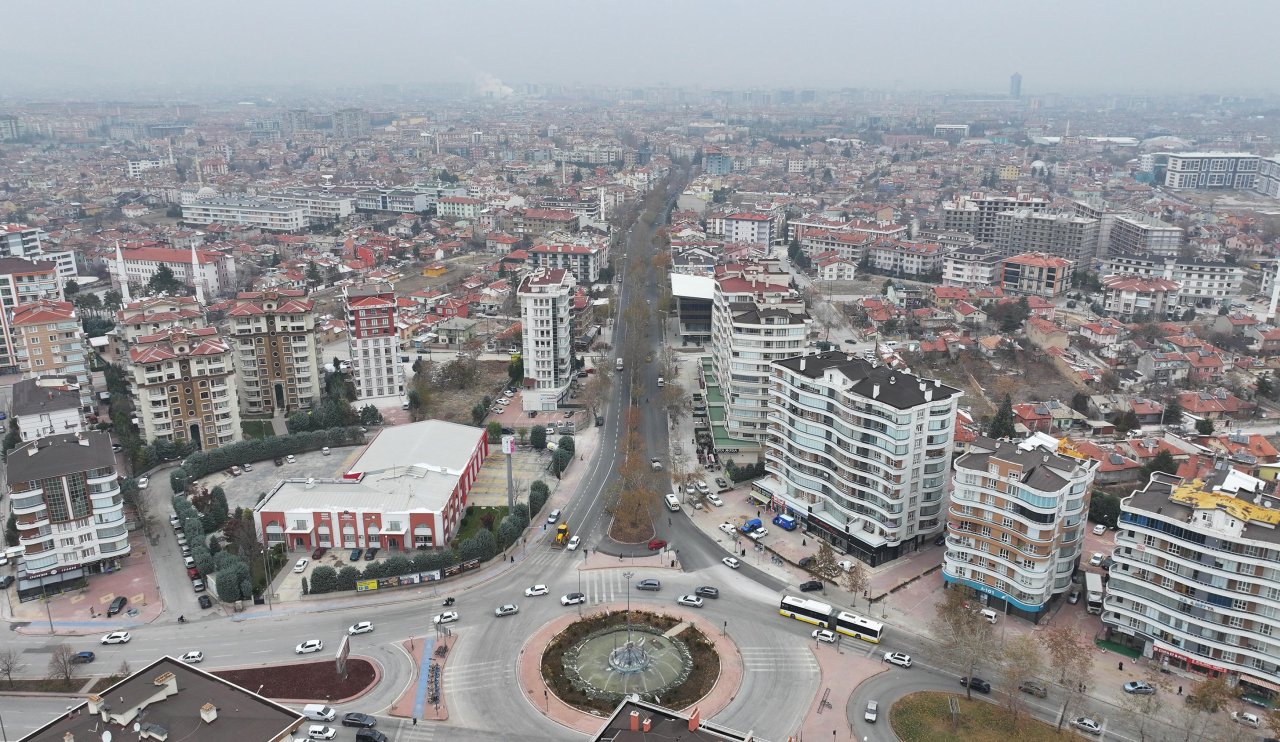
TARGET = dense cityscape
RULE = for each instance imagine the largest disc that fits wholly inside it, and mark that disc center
(482, 408)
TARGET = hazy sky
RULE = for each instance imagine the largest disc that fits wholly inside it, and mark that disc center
(1070, 46)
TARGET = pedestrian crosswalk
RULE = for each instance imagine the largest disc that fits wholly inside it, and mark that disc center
(477, 676)
(778, 659)
(407, 731)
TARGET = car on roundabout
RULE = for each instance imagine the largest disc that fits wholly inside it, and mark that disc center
(824, 635)
(446, 617)
(357, 719)
(690, 600)
(364, 627)
(530, 592)
(573, 599)
(898, 658)
(309, 646)
(193, 658)
(872, 713)
(657, 544)
(506, 609)
(117, 637)
(707, 591)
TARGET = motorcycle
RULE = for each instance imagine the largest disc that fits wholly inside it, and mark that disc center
(448, 602)
(182, 619)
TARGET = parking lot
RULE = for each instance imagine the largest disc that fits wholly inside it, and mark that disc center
(243, 491)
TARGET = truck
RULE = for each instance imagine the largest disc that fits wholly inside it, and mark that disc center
(1093, 592)
(751, 526)
(785, 522)
(562, 536)
(618, 364)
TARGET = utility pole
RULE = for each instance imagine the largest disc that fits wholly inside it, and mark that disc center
(509, 448)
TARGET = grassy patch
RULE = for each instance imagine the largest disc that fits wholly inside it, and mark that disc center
(257, 429)
(44, 685)
(1117, 648)
(474, 520)
(926, 717)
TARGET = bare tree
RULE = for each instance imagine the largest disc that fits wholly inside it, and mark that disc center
(965, 635)
(1020, 660)
(124, 670)
(857, 581)
(824, 566)
(1071, 661)
(62, 664)
(9, 663)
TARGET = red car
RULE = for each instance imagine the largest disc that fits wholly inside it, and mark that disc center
(319, 552)
(657, 544)
(192, 572)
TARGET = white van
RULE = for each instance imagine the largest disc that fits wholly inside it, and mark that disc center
(673, 503)
(661, 382)
(319, 712)
(990, 615)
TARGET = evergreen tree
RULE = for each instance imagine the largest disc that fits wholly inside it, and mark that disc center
(163, 281)
(1002, 425)
(1173, 412)
(1163, 462)
(1204, 426)
(1265, 387)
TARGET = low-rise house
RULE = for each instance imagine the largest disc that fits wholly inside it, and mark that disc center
(1218, 404)
(1044, 334)
(1166, 369)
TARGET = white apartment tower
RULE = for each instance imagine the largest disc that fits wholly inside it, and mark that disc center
(1015, 527)
(374, 342)
(858, 453)
(546, 297)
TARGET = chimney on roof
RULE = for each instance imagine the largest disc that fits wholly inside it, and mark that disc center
(646, 725)
(695, 719)
(801, 363)
(635, 721)
(208, 713)
(68, 737)
(875, 391)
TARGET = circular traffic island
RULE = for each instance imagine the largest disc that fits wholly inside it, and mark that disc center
(595, 662)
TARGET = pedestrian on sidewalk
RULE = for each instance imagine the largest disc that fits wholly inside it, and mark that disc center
(1121, 666)
(1179, 690)
(415, 721)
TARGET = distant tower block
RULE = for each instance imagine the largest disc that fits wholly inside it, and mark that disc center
(1015, 85)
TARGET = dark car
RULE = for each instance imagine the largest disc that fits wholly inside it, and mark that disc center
(319, 552)
(810, 586)
(649, 584)
(805, 562)
(370, 735)
(656, 544)
(278, 461)
(82, 658)
(355, 555)
(117, 605)
(370, 553)
(205, 601)
(707, 591)
(355, 719)
(940, 539)
(6, 581)
(977, 684)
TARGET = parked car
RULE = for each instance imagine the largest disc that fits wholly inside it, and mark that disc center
(143, 482)
(649, 584)
(6, 581)
(309, 646)
(117, 605)
(727, 528)
(655, 464)
(235, 471)
(707, 591)
(291, 459)
(573, 599)
(898, 658)
(198, 585)
(1099, 529)
(810, 586)
(553, 517)
(370, 553)
(247, 467)
(1073, 597)
(319, 552)
(1139, 688)
(506, 609)
(354, 556)
(278, 461)
(1096, 559)
(1246, 718)
(805, 562)
(205, 601)
(714, 500)
(690, 600)
(977, 684)
(301, 565)
(722, 483)
(117, 637)
(759, 533)
(363, 627)
(824, 635)
(356, 719)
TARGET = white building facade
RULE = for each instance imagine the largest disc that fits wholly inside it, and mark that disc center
(546, 297)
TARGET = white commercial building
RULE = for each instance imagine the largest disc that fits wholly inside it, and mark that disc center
(972, 267)
(245, 212)
(1015, 528)
(1206, 170)
(1202, 284)
(317, 207)
(858, 453)
(546, 297)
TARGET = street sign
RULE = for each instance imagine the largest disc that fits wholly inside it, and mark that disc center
(508, 444)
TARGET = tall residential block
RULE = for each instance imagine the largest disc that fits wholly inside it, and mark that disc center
(48, 340)
(546, 298)
(1015, 527)
(22, 282)
(184, 387)
(858, 452)
(274, 336)
(373, 341)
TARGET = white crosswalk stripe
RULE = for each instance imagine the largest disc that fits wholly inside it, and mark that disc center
(479, 675)
(407, 731)
(778, 659)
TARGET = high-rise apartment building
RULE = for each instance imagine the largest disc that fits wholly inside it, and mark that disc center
(756, 319)
(1015, 526)
(22, 282)
(1202, 284)
(546, 298)
(153, 314)
(350, 123)
(274, 333)
(1206, 170)
(19, 240)
(977, 214)
(47, 405)
(49, 341)
(1195, 580)
(65, 497)
(373, 341)
(1064, 235)
(184, 387)
(1134, 234)
(1015, 85)
(1036, 274)
(858, 452)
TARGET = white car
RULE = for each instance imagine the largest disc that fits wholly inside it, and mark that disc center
(692, 600)
(1248, 719)
(506, 609)
(731, 562)
(727, 528)
(655, 464)
(309, 646)
(824, 635)
(117, 637)
(573, 599)
(291, 459)
(446, 617)
(1096, 559)
(759, 533)
(872, 712)
(530, 592)
(192, 658)
(714, 499)
(898, 658)
(1099, 529)
(845, 564)
(573, 543)
(1085, 724)
(143, 482)
(301, 565)
(364, 627)
(703, 489)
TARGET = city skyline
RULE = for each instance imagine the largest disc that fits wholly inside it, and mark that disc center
(913, 45)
